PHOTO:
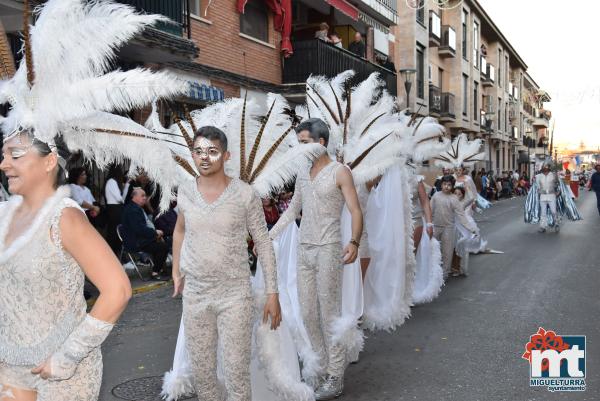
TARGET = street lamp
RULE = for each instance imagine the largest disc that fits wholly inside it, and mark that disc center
(407, 74)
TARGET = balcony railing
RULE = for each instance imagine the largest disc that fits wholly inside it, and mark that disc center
(448, 45)
(316, 57)
(435, 99)
(448, 105)
(173, 9)
(489, 75)
(435, 29)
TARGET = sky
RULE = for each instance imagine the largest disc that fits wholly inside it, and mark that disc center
(558, 40)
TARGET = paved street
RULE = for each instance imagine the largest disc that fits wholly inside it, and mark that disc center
(466, 345)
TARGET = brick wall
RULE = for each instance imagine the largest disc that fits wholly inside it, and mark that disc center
(221, 45)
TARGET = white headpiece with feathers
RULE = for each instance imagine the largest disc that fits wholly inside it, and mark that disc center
(65, 88)
(461, 153)
(367, 131)
(264, 149)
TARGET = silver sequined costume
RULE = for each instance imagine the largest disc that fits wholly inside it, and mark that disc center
(41, 303)
(218, 307)
(446, 208)
(319, 260)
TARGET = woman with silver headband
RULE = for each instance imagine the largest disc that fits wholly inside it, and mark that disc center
(49, 345)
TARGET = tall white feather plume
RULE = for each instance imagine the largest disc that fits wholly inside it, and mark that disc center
(362, 122)
(73, 45)
(461, 152)
(278, 158)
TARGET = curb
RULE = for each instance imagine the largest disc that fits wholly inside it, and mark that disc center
(137, 290)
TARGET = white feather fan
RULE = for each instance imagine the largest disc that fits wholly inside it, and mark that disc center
(461, 153)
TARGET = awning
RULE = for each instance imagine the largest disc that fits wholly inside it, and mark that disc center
(205, 93)
(345, 8)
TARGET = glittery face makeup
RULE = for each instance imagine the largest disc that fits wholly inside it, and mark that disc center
(205, 149)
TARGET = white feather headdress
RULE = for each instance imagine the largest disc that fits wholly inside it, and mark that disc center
(461, 153)
(265, 151)
(367, 130)
(64, 86)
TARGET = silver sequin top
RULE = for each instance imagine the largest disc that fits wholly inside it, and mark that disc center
(447, 209)
(321, 202)
(41, 286)
(214, 250)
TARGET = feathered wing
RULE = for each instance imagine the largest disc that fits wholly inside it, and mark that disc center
(77, 39)
(461, 152)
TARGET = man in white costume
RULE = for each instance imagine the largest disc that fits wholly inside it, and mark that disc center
(210, 254)
(320, 194)
(548, 188)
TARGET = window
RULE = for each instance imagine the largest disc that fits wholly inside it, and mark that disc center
(430, 73)
(420, 72)
(499, 122)
(435, 25)
(465, 16)
(255, 21)
(506, 69)
(476, 44)
(421, 11)
(475, 105)
(506, 117)
(500, 68)
(465, 95)
(196, 7)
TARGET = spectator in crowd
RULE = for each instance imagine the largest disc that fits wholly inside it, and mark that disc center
(358, 46)
(284, 201)
(478, 180)
(323, 32)
(153, 192)
(335, 40)
(271, 212)
(166, 223)
(485, 184)
(385, 62)
(115, 193)
(140, 235)
(595, 185)
(83, 196)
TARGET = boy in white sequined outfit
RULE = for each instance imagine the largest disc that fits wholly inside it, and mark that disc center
(320, 194)
(210, 253)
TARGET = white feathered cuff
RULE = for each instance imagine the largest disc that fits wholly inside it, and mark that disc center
(89, 335)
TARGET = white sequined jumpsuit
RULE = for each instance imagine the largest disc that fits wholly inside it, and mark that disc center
(218, 306)
(41, 303)
(446, 209)
(320, 261)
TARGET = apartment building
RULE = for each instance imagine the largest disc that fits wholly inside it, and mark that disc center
(468, 75)
(257, 46)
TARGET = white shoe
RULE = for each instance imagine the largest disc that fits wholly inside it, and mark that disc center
(331, 388)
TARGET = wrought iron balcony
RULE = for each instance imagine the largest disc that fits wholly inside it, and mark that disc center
(489, 75)
(164, 42)
(175, 10)
(316, 57)
(435, 100)
(448, 46)
(447, 113)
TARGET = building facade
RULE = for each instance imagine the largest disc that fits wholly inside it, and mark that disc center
(470, 77)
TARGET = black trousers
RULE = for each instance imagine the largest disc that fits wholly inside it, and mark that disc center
(114, 219)
(598, 200)
(159, 251)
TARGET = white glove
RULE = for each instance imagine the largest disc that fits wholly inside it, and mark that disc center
(90, 334)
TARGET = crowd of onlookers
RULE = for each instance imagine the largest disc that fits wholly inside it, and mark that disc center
(508, 184)
(356, 47)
